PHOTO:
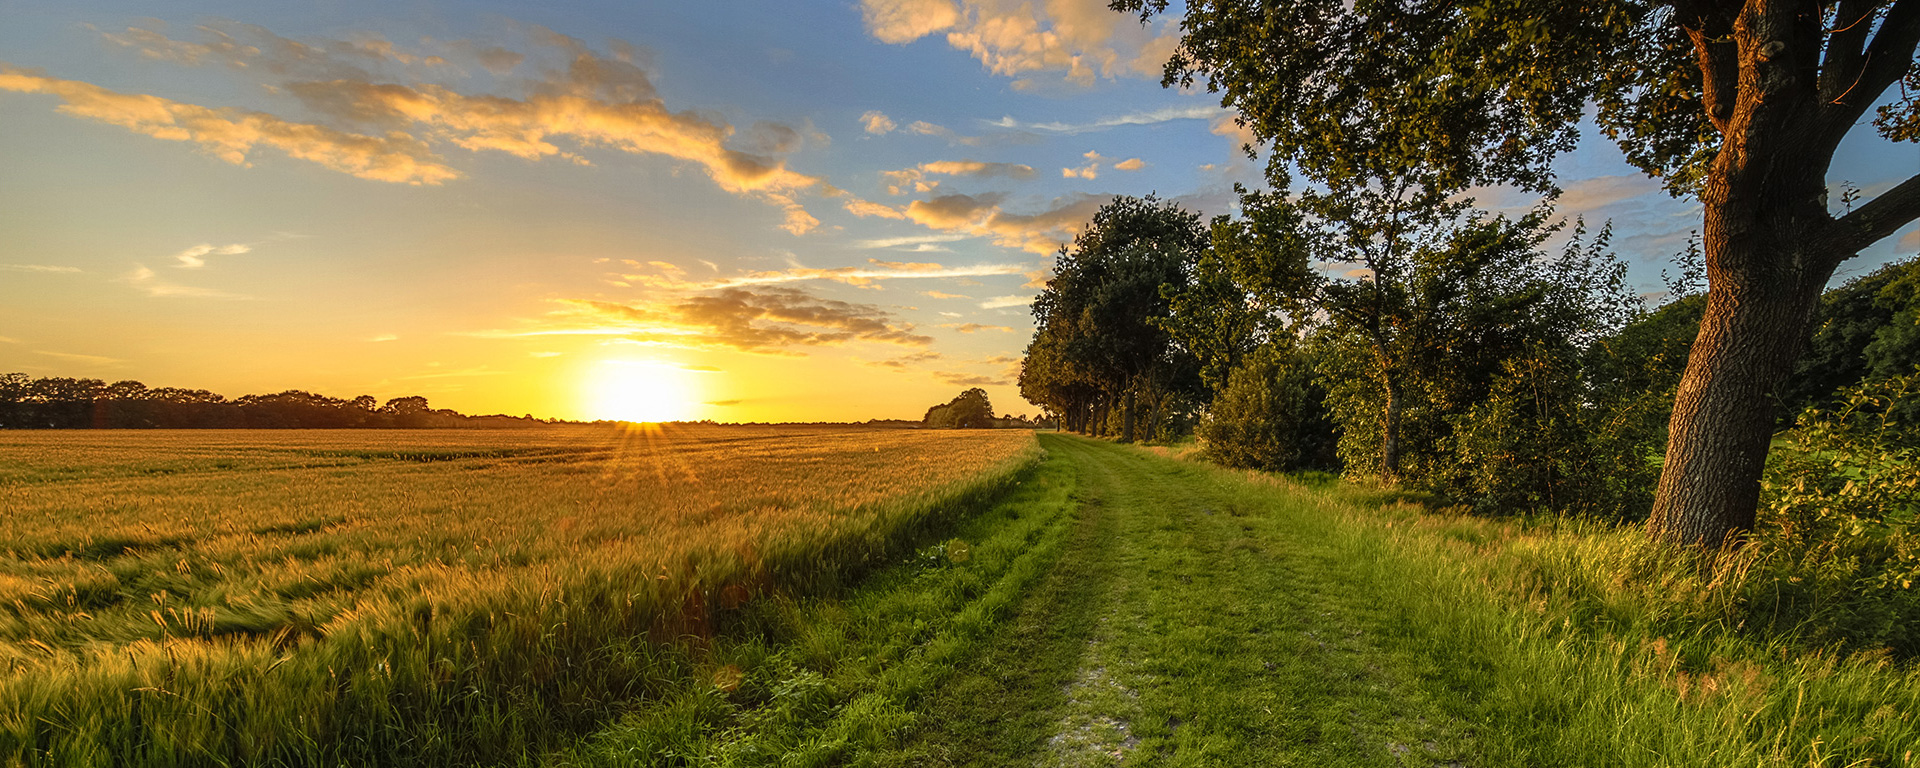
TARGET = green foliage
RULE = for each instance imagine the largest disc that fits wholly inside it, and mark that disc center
(968, 410)
(1839, 531)
(1101, 349)
(1271, 415)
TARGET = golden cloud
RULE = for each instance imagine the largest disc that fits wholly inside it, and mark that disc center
(232, 134)
(593, 101)
(1080, 38)
(763, 320)
(862, 276)
(876, 123)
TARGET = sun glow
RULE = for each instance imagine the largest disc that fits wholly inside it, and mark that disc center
(640, 391)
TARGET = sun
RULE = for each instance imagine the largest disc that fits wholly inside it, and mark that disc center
(639, 391)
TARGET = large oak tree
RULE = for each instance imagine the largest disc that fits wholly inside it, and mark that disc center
(1740, 104)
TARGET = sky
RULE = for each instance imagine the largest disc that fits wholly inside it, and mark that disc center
(740, 211)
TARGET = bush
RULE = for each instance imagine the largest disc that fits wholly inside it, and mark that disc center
(1272, 415)
(1838, 546)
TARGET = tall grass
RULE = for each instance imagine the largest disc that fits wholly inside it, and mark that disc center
(407, 599)
(1595, 646)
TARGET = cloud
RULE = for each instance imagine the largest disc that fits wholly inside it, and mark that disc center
(147, 281)
(40, 268)
(1130, 164)
(914, 240)
(1042, 232)
(925, 128)
(384, 337)
(914, 179)
(381, 130)
(876, 123)
(939, 295)
(723, 403)
(251, 48)
(768, 320)
(868, 209)
(969, 379)
(875, 271)
(702, 368)
(1149, 117)
(976, 327)
(8, 340)
(1588, 195)
(195, 257)
(999, 302)
(905, 362)
(1089, 171)
(70, 357)
(1081, 39)
(231, 134)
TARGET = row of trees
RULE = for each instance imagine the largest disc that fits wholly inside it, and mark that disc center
(1460, 356)
(68, 403)
(1389, 110)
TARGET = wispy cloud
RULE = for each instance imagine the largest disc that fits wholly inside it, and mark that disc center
(383, 129)
(1042, 232)
(768, 320)
(976, 327)
(914, 240)
(999, 302)
(40, 268)
(876, 270)
(970, 379)
(196, 257)
(1149, 117)
(147, 281)
(231, 134)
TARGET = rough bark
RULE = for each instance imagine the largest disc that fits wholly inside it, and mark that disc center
(1770, 250)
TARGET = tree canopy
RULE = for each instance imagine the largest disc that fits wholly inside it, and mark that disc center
(1740, 103)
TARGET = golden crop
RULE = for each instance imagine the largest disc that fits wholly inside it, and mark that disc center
(160, 591)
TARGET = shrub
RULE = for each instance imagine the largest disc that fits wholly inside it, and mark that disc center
(1271, 415)
(1839, 550)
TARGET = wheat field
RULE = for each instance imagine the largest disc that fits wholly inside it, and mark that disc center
(419, 597)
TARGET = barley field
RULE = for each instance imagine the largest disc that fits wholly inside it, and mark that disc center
(419, 597)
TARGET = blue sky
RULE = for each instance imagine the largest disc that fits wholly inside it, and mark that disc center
(742, 211)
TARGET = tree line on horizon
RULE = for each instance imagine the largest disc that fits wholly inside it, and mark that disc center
(971, 409)
(56, 402)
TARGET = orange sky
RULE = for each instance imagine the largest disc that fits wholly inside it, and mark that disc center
(733, 211)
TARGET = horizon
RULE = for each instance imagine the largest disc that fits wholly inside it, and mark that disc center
(738, 215)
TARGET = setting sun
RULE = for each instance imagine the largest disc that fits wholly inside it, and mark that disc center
(639, 391)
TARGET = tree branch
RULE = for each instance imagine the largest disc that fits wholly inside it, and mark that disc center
(1875, 220)
(1886, 61)
(1710, 27)
(1845, 47)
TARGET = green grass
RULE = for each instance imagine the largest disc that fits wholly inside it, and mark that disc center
(1109, 605)
(1179, 614)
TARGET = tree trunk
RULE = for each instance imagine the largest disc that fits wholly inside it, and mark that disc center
(1724, 414)
(1390, 431)
(1126, 416)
